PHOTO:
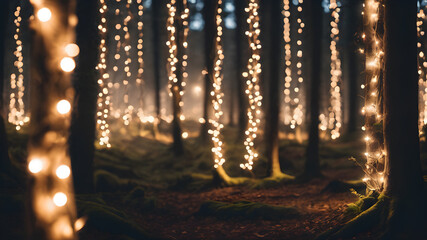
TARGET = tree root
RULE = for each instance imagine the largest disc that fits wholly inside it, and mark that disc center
(392, 219)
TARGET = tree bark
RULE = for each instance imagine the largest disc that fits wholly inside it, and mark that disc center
(210, 31)
(240, 82)
(178, 146)
(273, 30)
(4, 153)
(403, 169)
(83, 123)
(312, 165)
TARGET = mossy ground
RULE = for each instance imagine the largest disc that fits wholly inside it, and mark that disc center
(144, 191)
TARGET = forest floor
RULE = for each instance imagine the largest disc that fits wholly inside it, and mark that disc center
(144, 191)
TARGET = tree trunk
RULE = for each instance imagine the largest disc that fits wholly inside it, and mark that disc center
(4, 20)
(156, 16)
(52, 194)
(240, 39)
(403, 169)
(178, 146)
(83, 123)
(210, 31)
(312, 165)
(273, 31)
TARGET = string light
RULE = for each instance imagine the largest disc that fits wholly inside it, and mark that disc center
(297, 111)
(139, 79)
(176, 62)
(422, 66)
(16, 114)
(335, 114)
(127, 117)
(252, 83)
(48, 161)
(104, 97)
(288, 62)
(217, 94)
(374, 154)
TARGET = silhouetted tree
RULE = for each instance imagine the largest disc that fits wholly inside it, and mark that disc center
(210, 31)
(241, 42)
(315, 28)
(4, 20)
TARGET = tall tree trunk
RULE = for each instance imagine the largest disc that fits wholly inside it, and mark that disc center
(52, 194)
(403, 169)
(210, 31)
(273, 31)
(240, 82)
(83, 123)
(156, 18)
(351, 28)
(4, 20)
(312, 165)
(178, 146)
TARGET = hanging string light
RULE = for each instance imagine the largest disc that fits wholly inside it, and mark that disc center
(288, 62)
(335, 114)
(16, 104)
(139, 79)
(422, 66)
(217, 93)
(48, 161)
(104, 97)
(375, 154)
(127, 116)
(252, 83)
(118, 38)
(177, 60)
(298, 113)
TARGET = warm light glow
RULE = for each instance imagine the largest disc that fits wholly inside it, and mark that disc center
(63, 172)
(63, 107)
(67, 64)
(35, 165)
(72, 50)
(44, 14)
(60, 199)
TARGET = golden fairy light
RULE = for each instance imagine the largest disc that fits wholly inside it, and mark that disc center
(127, 116)
(16, 114)
(217, 94)
(252, 84)
(335, 114)
(139, 79)
(177, 60)
(288, 58)
(52, 195)
(422, 66)
(298, 108)
(375, 154)
(104, 96)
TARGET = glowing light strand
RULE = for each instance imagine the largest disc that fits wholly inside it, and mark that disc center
(217, 94)
(288, 58)
(16, 114)
(139, 77)
(375, 154)
(48, 161)
(422, 67)
(335, 114)
(127, 116)
(104, 97)
(176, 63)
(298, 111)
(252, 84)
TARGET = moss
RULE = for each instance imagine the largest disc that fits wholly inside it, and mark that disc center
(247, 210)
(338, 186)
(138, 200)
(110, 220)
(108, 182)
